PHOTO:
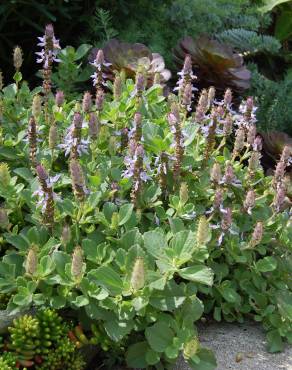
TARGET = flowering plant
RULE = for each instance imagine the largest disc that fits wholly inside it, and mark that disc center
(160, 221)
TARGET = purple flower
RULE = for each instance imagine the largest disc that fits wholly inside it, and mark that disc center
(44, 196)
(50, 48)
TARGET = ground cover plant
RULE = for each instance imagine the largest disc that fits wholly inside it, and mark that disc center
(135, 215)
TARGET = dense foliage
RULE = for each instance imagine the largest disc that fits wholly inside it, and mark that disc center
(137, 217)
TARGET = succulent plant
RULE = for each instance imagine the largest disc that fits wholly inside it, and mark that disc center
(273, 145)
(64, 353)
(129, 57)
(7, 361)
(51, 330)
(214, 63)
(25, 334)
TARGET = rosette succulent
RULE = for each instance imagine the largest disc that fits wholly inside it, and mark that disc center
(129, 58)
(215, 63)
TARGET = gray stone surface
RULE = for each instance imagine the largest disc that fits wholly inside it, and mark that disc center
(241, 347)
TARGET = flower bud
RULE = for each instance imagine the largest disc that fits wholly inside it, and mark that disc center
(286, 154)
(251, 134)
(41, 172)
(77, 263)
(4, 174)
(66, 235)
(49, 31)
(218, 199)
(239, 141)
(254, 161)
(138, 274)
(227, 125)
(279, 197)
(203, 231)
(77, 120)
(93, 125)
(257, 234)
(187, 68)
(157, 79)
(203, 100)
(59, 98)
(187, 95)
(216, 173)
(280, 171)
(191, 348)
(228, 97)
(140, 83)
(4, 221)
(211, 95)
(249, 104)
(53, 136)
(87, 102)
(31, 262)
(199, 114)
(117, 88)
(17, 58)
(249, 201)
(258, 144)
(99, 59)
(226, 219)
(173, 117)
(229, 174)
(183, 193)
(115, 220)
(99, 99)
(139, 151)
(36, 106)
(78, 182)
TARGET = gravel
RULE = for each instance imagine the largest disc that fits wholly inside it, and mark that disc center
(240, 347)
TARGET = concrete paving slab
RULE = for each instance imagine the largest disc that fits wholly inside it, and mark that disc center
(240, 347)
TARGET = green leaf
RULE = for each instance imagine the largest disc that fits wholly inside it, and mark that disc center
(80, 301)
(207, 360)
(229, 293)
(266, 264)
(17, 76)
(198, 273)
(46, 265)
(61, 259)
(155, 243)
(82, 50)
(18, 241)
(57, 302)
(116, 330)
(25, 173)
(283, 27)
(106, 277)
(284, 302)
(125, 213)
(274, 341)
(172, 297)
(152, 357)
(183, 243)
(270, 4)
(135, 355)
(192, 310)
(159, 336)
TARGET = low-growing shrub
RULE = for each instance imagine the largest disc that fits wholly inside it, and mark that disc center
(138, 216)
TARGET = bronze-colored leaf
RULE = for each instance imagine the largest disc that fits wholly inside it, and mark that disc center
(215, 63)
(129, 57)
